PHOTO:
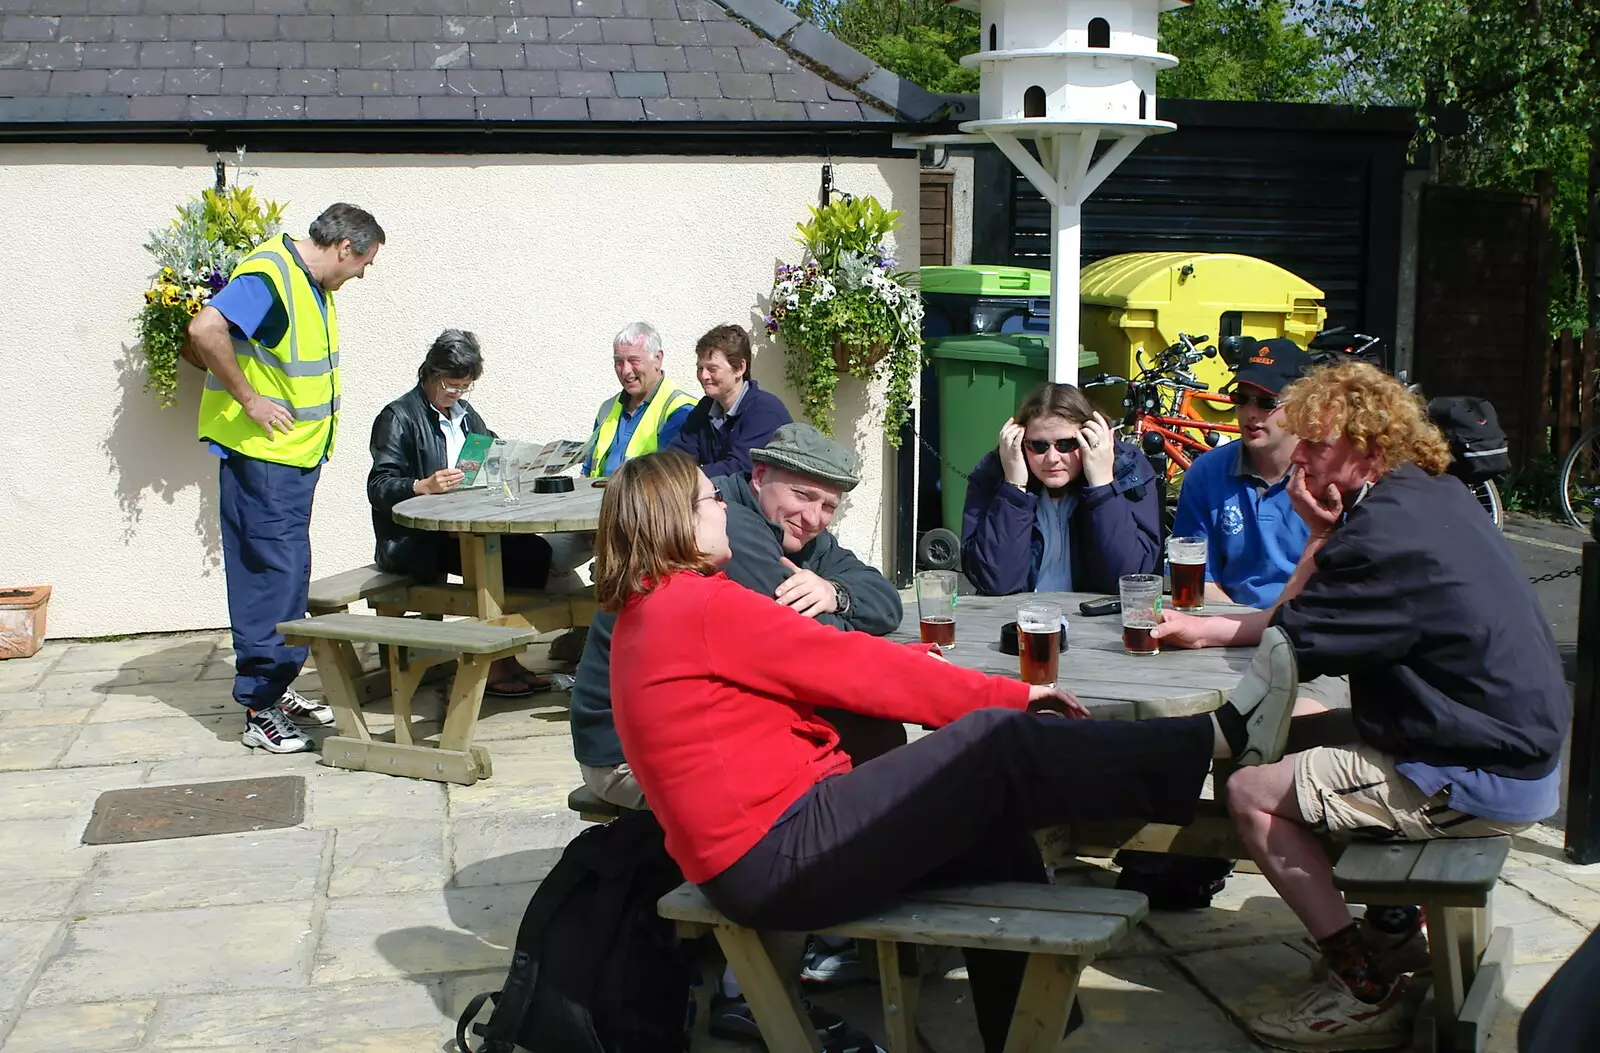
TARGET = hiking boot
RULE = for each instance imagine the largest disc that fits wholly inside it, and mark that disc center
(731, 1019)
(832, 967)
(1330, 1018)
(1393, 953)
(271, 730)
(1265, 698)
(306, 712)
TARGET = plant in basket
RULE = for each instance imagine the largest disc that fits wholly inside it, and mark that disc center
(844, 309)
(195, 254)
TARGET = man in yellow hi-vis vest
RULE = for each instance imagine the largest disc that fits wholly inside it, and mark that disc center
(270, 409)
(646, 414)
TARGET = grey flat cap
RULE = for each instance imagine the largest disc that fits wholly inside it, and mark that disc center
(803, 449)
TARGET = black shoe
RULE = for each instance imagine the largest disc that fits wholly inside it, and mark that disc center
(828, 967)
(731, 1019)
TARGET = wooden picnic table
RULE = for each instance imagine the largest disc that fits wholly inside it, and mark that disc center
(1112, 685)
(479, 518)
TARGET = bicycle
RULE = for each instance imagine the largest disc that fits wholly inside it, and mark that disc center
(1335, 345)
(1160, 404)
(1579, 482)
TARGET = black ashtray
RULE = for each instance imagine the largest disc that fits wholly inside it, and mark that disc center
(555, 484)
(1008, 639)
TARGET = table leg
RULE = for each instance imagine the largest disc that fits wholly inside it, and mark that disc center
(1049, 987)
(777, 1010)
(336, 684)
(466, 697)
(900, 983)
(482, 572)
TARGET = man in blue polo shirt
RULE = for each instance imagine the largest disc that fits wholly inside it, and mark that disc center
(1236, 496)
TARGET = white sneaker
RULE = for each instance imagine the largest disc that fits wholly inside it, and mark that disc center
(270, 730)
(1330, 1018)
(305, 711)
(1265, 698)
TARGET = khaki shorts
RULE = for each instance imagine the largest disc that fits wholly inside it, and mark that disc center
(615, 786)
(1356, 792)
(1333, 692)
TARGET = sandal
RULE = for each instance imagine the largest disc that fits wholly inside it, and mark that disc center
(509, 687)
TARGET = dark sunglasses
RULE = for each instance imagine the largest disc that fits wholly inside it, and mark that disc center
(1066, 445)
(1266, 402)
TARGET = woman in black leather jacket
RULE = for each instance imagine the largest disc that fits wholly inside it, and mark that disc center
(415, 443)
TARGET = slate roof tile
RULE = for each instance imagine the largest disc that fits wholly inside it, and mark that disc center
(435, 60)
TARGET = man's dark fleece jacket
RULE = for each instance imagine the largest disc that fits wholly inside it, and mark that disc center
(757, 564)
(1421, 602)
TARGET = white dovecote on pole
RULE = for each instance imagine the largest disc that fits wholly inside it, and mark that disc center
(1069, 75)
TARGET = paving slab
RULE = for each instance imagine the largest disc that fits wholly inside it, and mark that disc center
(261, 867)
(1555, 887)
(44, 841)
(1248, 981)
(154, 739)
(23, 945)
(148, 653)
(530, 777)
(56, 716)
(505, 850)
(1541, 934)
(1246, 911)
(105, 1027)
(16, 699)
(113, 679)
(35, 894)
(290, 1017)
(339, 798)
(23, 674)
(239, 763)
(420, 935)
(63, 794)
(180, 952)
(203, 699)
(35, 747)
(389, 858)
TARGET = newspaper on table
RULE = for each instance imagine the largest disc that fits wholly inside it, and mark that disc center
(553, 458)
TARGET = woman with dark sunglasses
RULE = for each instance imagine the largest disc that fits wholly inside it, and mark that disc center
(1061, 505)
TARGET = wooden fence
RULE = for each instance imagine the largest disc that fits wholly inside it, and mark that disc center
(1570, 382)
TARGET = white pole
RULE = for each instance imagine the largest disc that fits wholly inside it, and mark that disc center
(1065, 243)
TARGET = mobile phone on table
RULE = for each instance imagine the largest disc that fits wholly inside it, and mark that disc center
(1097, 608)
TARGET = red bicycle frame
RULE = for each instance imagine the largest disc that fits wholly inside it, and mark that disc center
(1181, 447)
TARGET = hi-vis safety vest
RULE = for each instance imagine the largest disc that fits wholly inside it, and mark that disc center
(300, 372)
(664, 402)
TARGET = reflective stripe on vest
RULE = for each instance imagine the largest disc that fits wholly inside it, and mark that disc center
(299, 373)
(666, 400)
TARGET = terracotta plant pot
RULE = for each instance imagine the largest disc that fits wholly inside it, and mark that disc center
(842, 352)
(22, 620)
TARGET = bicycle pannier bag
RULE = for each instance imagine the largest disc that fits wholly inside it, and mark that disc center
(1477, 443)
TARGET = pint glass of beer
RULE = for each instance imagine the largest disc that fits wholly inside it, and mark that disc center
(1141, 612)
(1039, 641)
(936, 607)
(1186, 557)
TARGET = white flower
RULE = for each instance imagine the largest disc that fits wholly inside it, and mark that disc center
(791, 302)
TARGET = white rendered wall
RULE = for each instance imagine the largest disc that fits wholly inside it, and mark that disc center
(113, 502)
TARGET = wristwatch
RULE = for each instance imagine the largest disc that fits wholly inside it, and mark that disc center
(841, 598)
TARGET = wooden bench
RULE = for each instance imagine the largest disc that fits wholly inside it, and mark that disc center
(415, 645)
(335, 594)
(1451, 879)
(590, 808)
(1061, 930)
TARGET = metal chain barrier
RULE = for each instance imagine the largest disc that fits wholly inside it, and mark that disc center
(1557, 576)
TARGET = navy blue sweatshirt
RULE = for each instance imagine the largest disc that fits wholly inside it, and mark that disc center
(1421, 602)
(1115, 528)
(726, 450)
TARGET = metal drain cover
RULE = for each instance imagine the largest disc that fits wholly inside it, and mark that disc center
(155, 813)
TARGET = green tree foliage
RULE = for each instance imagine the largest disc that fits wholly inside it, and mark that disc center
(1508, 88)
(1244, 51)
(920, 40)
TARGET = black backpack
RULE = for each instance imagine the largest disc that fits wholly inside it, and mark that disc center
(595, 969)
(1476, 440)
(1172, 882)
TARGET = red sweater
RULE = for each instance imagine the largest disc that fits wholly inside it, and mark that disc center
(714, 689)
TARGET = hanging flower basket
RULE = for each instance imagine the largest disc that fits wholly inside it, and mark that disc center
(843, 310)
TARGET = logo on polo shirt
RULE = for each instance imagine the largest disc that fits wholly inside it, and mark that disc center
(1232, 519)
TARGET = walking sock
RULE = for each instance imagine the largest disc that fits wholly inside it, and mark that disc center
(1394, 920)
(1231, 723)
(1347, 957)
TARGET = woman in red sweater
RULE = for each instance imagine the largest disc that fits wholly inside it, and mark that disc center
(715, 690)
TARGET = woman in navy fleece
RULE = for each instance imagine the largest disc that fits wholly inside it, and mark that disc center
(1061, 505)
(736, 416)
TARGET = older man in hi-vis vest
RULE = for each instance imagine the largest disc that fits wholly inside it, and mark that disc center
(270, 409)
(646, 414)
